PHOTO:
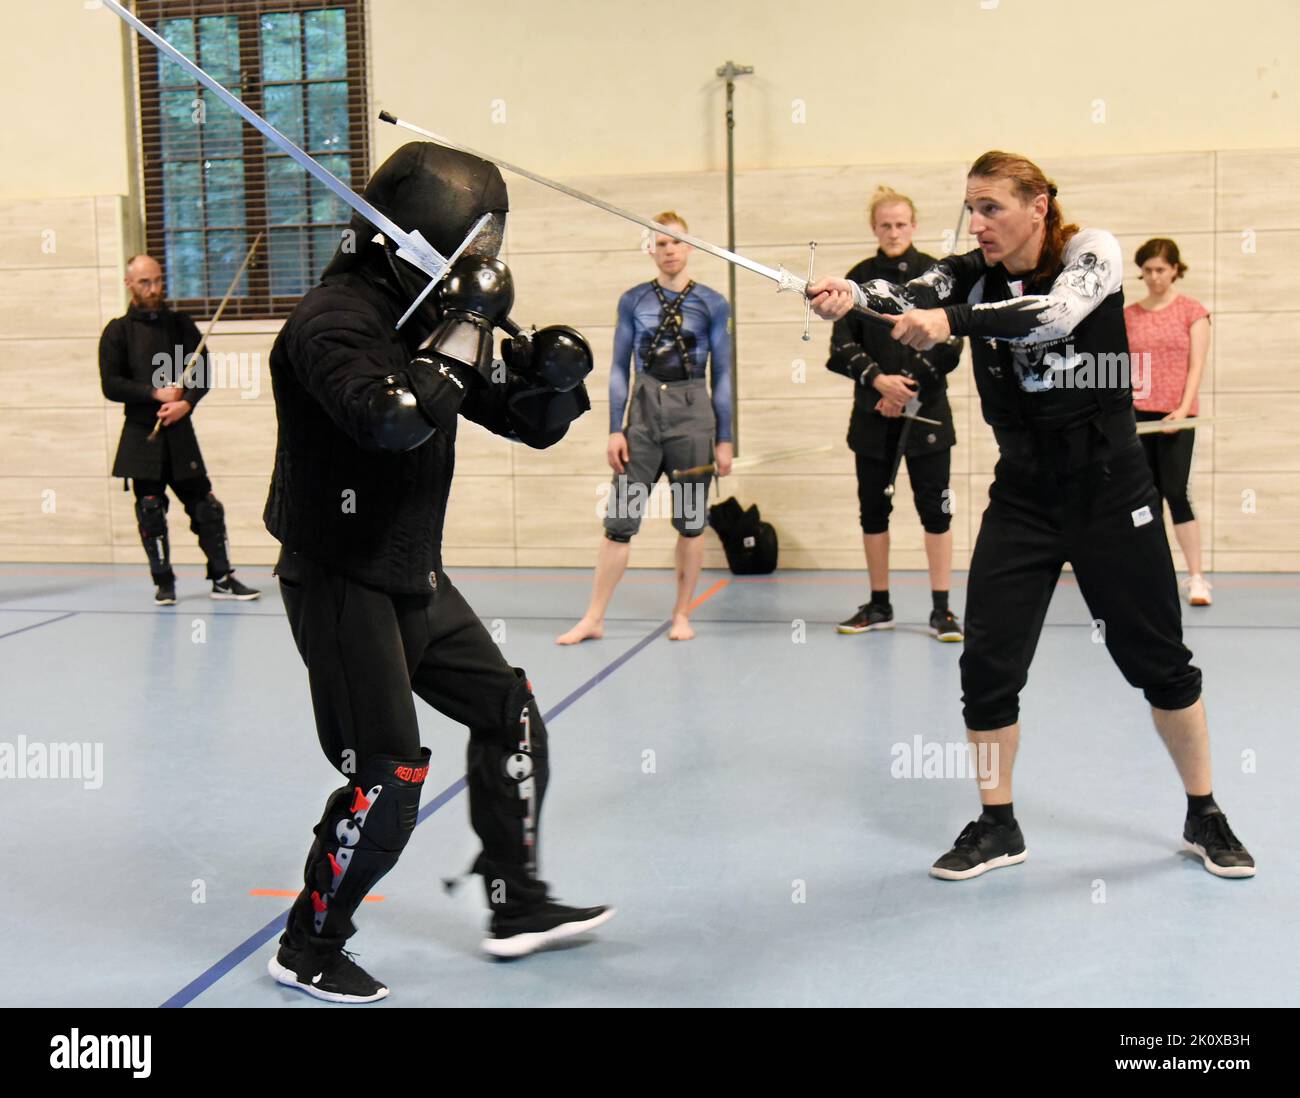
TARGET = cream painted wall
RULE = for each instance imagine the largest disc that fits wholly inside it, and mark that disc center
(625, 86)
(66, 125)
(628, 86)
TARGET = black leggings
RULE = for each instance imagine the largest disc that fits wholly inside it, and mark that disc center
(1105, 520)
(928, 474)
(370, 653)
(1170, 459)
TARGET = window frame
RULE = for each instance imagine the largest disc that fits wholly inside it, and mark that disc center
(259, 303)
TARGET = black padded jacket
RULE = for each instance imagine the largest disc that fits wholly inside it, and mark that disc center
(342, 494)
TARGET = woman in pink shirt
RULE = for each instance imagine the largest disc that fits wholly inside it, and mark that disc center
(1174, 330)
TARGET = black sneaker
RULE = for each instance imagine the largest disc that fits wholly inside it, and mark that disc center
(944, 626)
(332, 976)
(165, 595)
(870, 616)
(1210, 837)
(524, 934)
(231, 588)
(981, 846)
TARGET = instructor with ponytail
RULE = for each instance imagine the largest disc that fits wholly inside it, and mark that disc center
(1041, 300)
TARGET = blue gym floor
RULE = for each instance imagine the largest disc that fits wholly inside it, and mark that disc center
(771, 783)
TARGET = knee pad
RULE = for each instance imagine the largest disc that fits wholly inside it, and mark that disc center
(359, 838)
(507, 774)
(209, 512)
(151, 514)
(208, 522)
(622, 539)
(524, 743)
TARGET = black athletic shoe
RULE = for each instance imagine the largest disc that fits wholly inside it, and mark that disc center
(944, 626)
(524, 934)
(332, 976)
(165, 595)
(981, 846)
(870, 616)
(1211, 839)
(231, 588)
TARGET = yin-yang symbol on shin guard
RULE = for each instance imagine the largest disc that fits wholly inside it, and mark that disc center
(518, 767)
(348, 833)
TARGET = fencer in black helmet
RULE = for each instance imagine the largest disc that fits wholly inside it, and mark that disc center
(367, 418)
(440, 193)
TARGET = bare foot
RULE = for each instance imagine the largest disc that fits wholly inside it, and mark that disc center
(681, 630)
(584, 630)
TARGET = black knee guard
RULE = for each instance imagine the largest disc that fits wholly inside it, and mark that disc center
(507, 774)
(359, 839)
(622, 539)
(151, 517)
(208, 521)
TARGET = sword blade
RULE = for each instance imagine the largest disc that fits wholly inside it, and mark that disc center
(784, 279)
(412, 246)
(786, 282)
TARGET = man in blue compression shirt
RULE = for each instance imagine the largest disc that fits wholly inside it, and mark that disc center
(672, 327)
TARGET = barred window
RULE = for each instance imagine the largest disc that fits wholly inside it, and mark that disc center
(212, 182)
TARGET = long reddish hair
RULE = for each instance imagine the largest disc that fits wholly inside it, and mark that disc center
(1029, 182)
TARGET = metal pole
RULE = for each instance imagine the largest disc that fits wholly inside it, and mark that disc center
(729, 72)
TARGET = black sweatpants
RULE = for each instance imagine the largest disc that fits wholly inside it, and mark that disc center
(1169, 458)
(370, 653)
(1104, 518)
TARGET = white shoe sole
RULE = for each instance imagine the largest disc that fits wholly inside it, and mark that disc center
(946, 638)
(1218, 870)
(979, 870)
(289, 979)
(235, 598)
(519, 945)
(850, 630)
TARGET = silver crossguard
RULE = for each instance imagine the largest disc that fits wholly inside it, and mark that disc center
(786, 282)
(411, 246)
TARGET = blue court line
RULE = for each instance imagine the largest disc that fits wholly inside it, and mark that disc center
(48, 621)
(255, 941)
(236, 956)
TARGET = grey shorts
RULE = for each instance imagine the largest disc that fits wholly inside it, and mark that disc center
(670, 427)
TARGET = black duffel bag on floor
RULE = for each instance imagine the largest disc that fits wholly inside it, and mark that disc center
(749, 542)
